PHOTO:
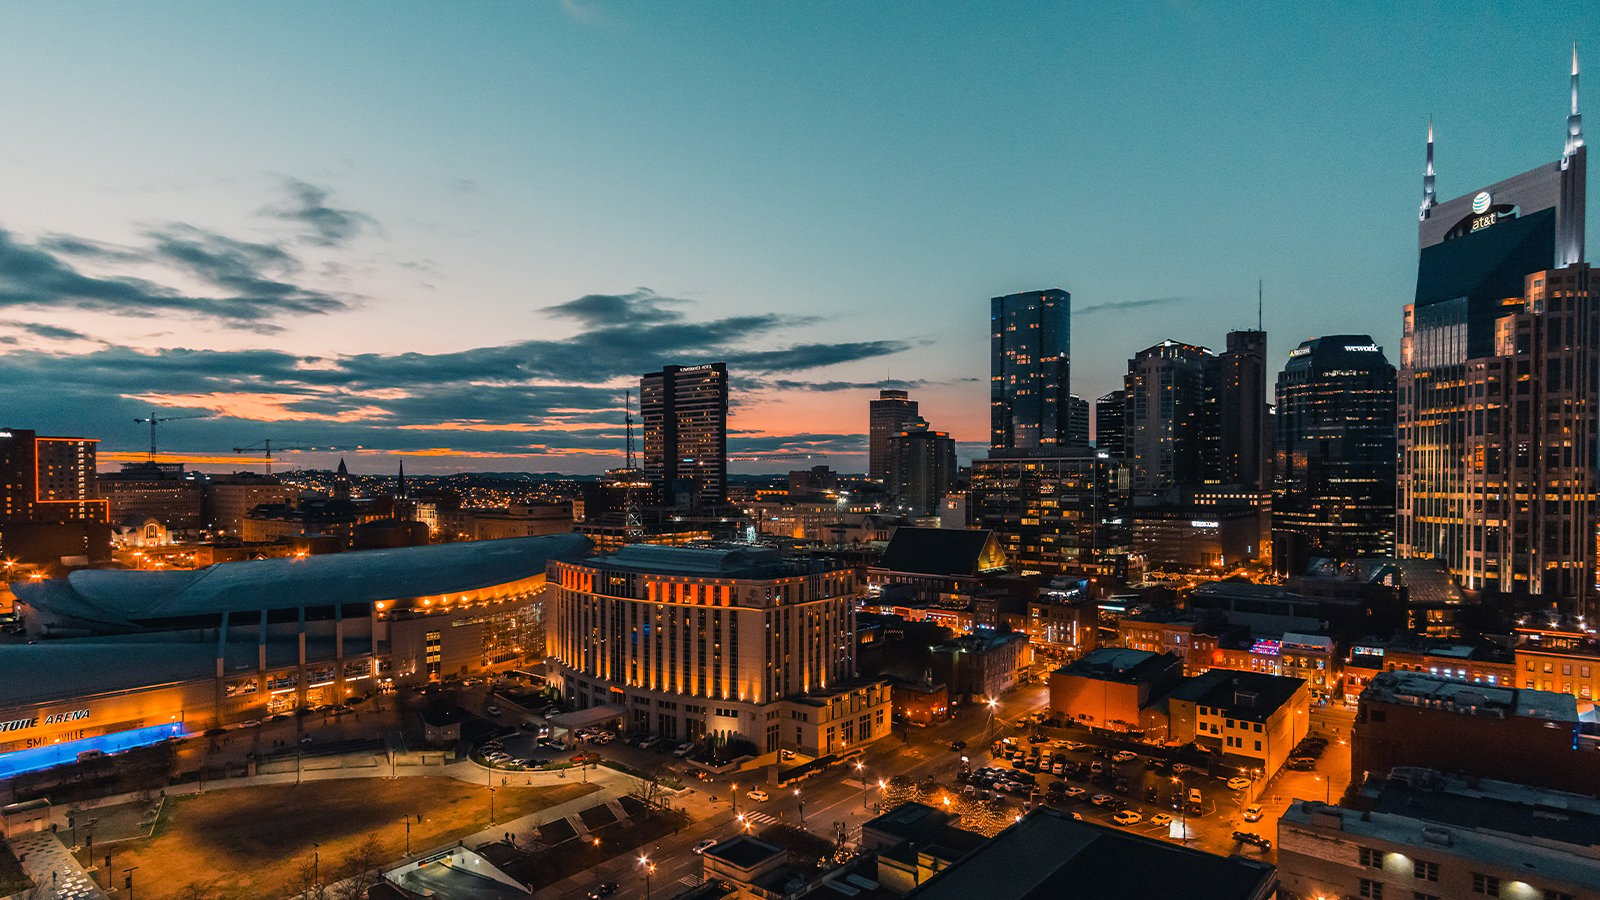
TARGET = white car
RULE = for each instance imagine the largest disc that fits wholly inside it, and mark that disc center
(1238, 783)
(683, 750)
(705, 845)
(1125, 756)
(758, 795)
(1160, 819)
(1253, 812)
(1127, 817)
(1074, 791)
(1074, 745)
(1101, 799)
(492, 710)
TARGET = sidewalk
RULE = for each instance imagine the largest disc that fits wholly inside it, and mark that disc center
(46, 860)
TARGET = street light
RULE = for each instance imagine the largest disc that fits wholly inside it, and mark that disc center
(861, 776)
(802, 801)
(407, 822)
(1183, 806)
(649, 869)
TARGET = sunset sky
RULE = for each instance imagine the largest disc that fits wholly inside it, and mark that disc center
(459, 231)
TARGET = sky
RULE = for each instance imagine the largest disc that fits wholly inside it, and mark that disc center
(456, 233)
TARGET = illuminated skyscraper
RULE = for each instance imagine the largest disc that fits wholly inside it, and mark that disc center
(1334, 495)
(1165, 418)
(1108, 418)
(685, 411)
(1030, 357)
(888, 414)
(1497, 387)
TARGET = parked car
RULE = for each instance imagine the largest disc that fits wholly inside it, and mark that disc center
(1127, 817)
(705, 845)
(1195, 797)
(758, 795)
(603, 889)
(1101, 799)
(492, 710)
(1238, 783)
(1075, 791)
(1123, 756)
(1074, 745)
(1253, 812)
(1250, 837)
(1161, 819)
(1300, 764)
(683, 750)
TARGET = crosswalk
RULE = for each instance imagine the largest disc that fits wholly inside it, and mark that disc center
(759, 818)
(692, 881)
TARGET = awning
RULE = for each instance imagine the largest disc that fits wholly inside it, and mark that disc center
(582, 718)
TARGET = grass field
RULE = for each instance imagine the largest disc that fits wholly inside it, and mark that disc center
(254, 842)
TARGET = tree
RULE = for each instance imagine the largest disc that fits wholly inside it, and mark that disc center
(200, 890)
(360, 868)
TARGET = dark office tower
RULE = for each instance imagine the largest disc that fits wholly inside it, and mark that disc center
(922, 467)
(1166, 416)
(1239, 379)
(1483, 261)
(1108, 423)
(1334, 495)
(1030, 354)
(685, 411)
(1077, 421)
(889, 414)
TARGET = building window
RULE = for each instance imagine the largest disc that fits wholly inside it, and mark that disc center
(1419, 895)
(1258, 746)
(1370, 858)
(1372, 889)
(1487, 885)
(1427, 871)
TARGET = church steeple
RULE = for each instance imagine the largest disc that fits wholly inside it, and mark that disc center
(1574, 120)
(341, 482)
(1429, 200)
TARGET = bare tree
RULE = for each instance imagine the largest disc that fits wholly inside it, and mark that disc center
(200, 890)
(360, 868)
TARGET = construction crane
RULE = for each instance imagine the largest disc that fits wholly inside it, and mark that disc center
(265, 449)
(155, 420)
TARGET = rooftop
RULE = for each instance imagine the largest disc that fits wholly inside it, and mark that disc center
(1483, 843)
(122, 597)
(744, 851)
(1121, 664)
(1253, 696)
(942, 551)
(1488, 805)
(747, 561)
(1049, 855)
(1469, 698)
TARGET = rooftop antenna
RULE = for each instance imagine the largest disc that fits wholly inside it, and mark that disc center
(1258, 306)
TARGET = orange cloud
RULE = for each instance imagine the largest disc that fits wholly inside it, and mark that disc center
(258, 407)
(191, 459)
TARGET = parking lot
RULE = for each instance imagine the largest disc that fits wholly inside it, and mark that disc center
(1146, 785)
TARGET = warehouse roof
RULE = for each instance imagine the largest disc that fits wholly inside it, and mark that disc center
(125, 597)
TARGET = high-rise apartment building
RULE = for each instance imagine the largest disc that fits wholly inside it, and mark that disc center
(685, 412)
(1165, 417)
(922, 467)
(1108, 424)
(1030, 355)
(1497, 387)
(886, 417)
(48, 479)
(1052, 511)
(1334, 494)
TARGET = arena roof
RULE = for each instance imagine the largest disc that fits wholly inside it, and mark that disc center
(129, 597)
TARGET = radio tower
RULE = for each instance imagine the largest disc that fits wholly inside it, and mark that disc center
(632, 525)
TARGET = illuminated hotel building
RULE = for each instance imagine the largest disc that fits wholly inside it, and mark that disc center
(123, 658)
(1030, 361)
(736, 641)
(1498, 385)
(1334, 495)
(685, 412)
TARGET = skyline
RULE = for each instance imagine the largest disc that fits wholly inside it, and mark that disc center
(793, 186)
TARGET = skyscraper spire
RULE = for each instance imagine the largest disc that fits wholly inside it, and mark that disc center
(1428, 198)
(1574, 120)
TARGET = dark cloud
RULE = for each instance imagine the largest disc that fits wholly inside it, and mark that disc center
(51, 332)
(642, 307)
(1120, 305)
(832, 386)
(249, 275)
(325, 226)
